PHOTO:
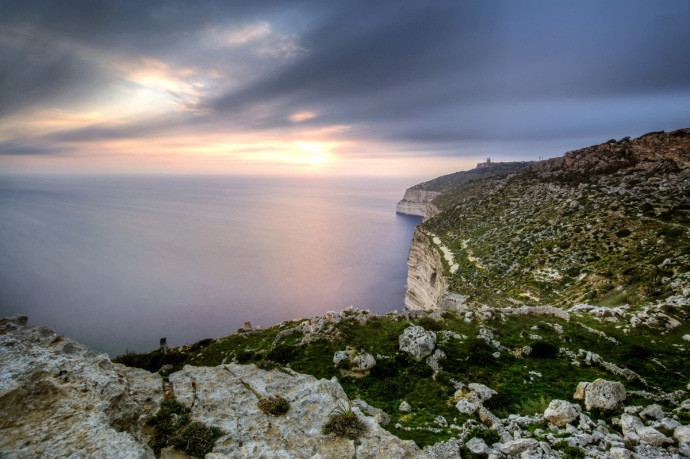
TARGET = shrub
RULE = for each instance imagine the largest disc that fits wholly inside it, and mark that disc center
(489, 436)
(274, 405)
(543, 350)
(345, 423)
(197, 439)
(244, 356)
(430, 324)
(625, 232)
(282, 353)
(385, 368)
(173, 428)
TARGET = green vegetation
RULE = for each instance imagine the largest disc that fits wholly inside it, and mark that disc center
(345, 423)
(274, 405)
(173, 427)
(525, 385)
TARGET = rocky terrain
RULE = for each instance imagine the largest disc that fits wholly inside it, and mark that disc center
(547, 315)
(606, 225)
(418, 200)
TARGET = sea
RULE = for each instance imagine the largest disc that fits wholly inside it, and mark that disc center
(118, 262)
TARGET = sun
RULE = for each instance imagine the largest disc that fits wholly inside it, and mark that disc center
(318, 153)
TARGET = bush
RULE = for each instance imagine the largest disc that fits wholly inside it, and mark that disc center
(489, 436)
(345, 423)
(282, 353)
(385, 368)
(244, 357)
(173, 428)
(543, 350)
(197, 439)
(274, 405)
(625, 232)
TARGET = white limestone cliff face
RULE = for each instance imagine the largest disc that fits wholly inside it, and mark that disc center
(415, 202)
(426, 283)
(58, 398)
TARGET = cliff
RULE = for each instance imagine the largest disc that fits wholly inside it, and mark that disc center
(604, 225)
(415, 202)
(418, 200)
(425, 280)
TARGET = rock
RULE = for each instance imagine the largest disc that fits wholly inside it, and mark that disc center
(440, 420)
(417, 342)
(247, 327)
(682, 434)
(629, 424)
(515, 447)
(433, 360)
(477, 446)
(619, 453)
(686, 337)
(652, 436)
(379, 415)
(339, 357)
(226, 397)
(483, 392)
(580, 391)
(652, 412)
(59, 398)
(464, 406)
(358, 361)
(362, 362)
(560, 413)
(486, 416)
(604, 395)
(405, 407)
(445, 449)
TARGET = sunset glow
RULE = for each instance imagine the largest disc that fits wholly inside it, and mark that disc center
(220, 88)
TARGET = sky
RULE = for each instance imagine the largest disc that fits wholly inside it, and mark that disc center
(331, 87)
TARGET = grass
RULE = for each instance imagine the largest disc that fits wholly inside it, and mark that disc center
(274, 405)
(173, 427)
(343, 422)
(397, 377)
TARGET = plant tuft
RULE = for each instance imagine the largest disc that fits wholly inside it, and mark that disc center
(274, 405)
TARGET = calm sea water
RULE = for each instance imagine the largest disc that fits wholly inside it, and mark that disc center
(119, 262)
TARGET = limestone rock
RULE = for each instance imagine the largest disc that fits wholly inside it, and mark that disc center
(358, 361)
(652, 412)
(515, 447)
(682, 434)
(560, 413)
(417, 342)
(59, 398)
(477, 446)
(619, 453)
(483, 392)
(226, 397)
(405, 407)
(426, 283)
(652, 436)
(580, 390)
(604, 395)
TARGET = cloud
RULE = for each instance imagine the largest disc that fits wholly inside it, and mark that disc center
(384, 79)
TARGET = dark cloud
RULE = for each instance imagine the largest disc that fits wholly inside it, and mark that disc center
(435, 75)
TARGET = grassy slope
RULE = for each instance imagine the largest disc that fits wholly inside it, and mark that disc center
(398, 378)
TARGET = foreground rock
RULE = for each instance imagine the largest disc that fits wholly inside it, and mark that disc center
(59, 398)
(226, 397)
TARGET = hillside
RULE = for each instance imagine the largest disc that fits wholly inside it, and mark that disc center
(606, 225)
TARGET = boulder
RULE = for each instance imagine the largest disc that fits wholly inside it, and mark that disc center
(516, 447)
(358, 361)
(604, 395)
(467, 407)
(417, 342)
(362, 362)
(560, 413)
(405, 407)
(682, 434)
(652, 436)
(226, 397)
(580, 391)
(483, 392)
(619, 453)
(59, 398)
(477, 446)
(652, 412)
